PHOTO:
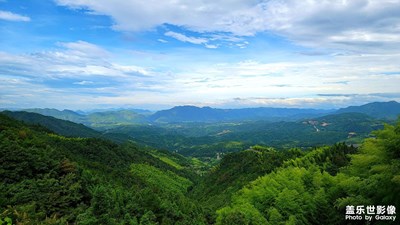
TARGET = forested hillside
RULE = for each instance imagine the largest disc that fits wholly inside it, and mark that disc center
(313, 190)
(52, 179)
(62, 127)
(96, 119)
(47, 178)
(389, 110)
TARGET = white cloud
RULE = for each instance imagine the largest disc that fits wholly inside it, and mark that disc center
(225, 37)
(84, 82)
(242, 45)
(295, 80)
(162, 40)
(211, 46)
(50, 79)
(356, 25)
(201, 79)
(5, 15)
(208, 81)
(131, 69)
(84, 49)
(184, 38)
(204, 15)
(322, 102)
(73, 60)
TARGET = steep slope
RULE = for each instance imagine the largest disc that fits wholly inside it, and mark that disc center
(62, 127)
(387, 110)
(306, 190)
(64, 114)
(52, 179)
(236, 170)
(67, 128)
(95, 119)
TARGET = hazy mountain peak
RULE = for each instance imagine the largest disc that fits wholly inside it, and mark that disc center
(389, 110)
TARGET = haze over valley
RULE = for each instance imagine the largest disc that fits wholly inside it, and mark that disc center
(209, 132)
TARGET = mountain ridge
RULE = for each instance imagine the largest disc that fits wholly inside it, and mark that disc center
(187, 113)
(207, 114)
(388, 110)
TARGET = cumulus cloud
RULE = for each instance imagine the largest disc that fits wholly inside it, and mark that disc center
(357, 25)
(75, 75)
(208, 15)
(5, 15)
(73, 59)
(215, 83)
(337, 78)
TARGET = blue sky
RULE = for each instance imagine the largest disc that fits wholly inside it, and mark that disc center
(85, 54)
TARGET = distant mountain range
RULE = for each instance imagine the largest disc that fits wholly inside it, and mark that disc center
(202, 132)
(383, 110)
(207, 114)
(95, 119)
(64, 114)
(60, 126)
(64, 127)
(103, 119)
(379, 110)
(140, 111)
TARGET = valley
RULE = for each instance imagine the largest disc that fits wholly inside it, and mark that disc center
(125, 170)
(210, 112)
(205, 132)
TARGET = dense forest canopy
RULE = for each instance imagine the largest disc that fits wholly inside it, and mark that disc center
(48, 178)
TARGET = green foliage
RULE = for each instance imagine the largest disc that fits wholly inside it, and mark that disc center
(289, 194)
(246, 214)
(6, 221)
(330, 159)
(113, 118)
(95, 119)
(205, 140)
(154, 177)
(235, 171)
(148, 219)
(376, 109)
(315, 188)
(59, 126)
(51, 179)
(48, 178)
(374, 173)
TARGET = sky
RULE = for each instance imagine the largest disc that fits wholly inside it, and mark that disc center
(92, 54)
